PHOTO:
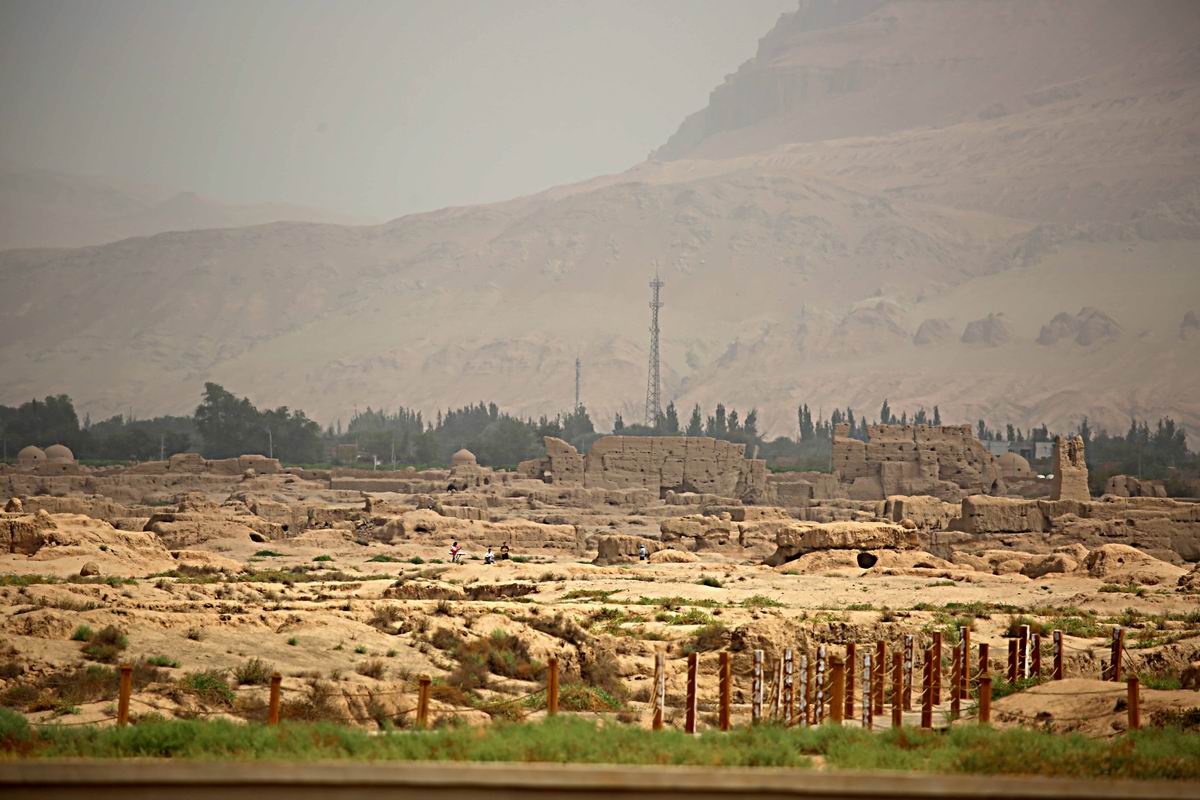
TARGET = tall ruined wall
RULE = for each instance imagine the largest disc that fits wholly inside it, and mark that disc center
(1070, 470)
(945, 461)
(660, 463)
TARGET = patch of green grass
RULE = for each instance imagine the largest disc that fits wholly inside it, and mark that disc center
(1130, 588)
(708, 580)
(325, 557)
(35, 580)
(210, 686)
(860, 607)
(675, 602)
(360, 649)
(1148, 754)
(693, 616)
(416, 560)
(293, 641)
(384, 559)
(521, 559)
(600, 595)
(82, 634)
(1160, 681)
(761, 601)
(267, 554)
(162, 661)
(105, 645)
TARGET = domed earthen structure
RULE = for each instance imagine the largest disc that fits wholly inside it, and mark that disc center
(30, 456)
(463, 458)
(1013, 465)
(59, 454)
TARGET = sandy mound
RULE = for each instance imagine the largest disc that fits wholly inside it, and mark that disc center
(1092, 707)
(69, 541)
(1121, 563)
(673, 557)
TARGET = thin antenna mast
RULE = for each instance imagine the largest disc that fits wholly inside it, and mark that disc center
(578, 401)
(653, 377)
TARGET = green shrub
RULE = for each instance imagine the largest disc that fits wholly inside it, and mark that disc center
(253, 672)
(761, 601)
(323, 558)
(383, 559)
(162, 661)
(416, 560)
(708, 580)
(105, 645)
(210, 686)
(15, 734)
(82, 634)
(267, 554)
(710, 637)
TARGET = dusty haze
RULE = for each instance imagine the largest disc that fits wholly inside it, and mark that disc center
(992, 207)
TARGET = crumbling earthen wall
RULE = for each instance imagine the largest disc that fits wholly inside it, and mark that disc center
(944, 461)
(659, 463)
(1070, 470)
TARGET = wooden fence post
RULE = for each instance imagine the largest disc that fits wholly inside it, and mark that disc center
(897, 690)
(1023, 651)
(552, 686)
(273, 708)
(693, 667)
(819, 700)
(124, 690)
(789, 687)
(851, 666)
(985, 666)
(908, 672)
(881, 676)
(1134, 703)
(927, 692)
(868, 720)
(756, 689)
(726, 682)
(937, 667)
(1118, 653)
(1035, 656)
(423, 701)
(964, 663)
(660, 688)
(1012, 660)
(805, 712)
(985, 699)
(1056, 672)
(955, 679)
(837, 699)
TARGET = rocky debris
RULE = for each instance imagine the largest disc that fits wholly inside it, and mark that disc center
(922, 512)
(932, 331)
(982, 514)
(793, 489)
(1064, 560)
(621, 549)
(24, 533)
(518, 533)
(1129, 486)
(672, 556)
(1120, 563)
(1090, 326)
(202, 560)
(1070, 470)
(992, 331)
(89, 569)
(1190, 582)
(500, 591)
(705, 531)
(799, 538)
(14, 505)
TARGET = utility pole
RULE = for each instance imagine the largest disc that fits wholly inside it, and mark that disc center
(270, 444)
(653, 377)
(578, 402)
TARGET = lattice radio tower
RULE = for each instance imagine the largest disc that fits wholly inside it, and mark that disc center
(653, 378)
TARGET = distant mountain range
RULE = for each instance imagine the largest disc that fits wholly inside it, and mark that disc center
(989, 206)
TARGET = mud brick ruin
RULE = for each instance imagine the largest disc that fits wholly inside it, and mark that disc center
(947, 462)
(659, 463)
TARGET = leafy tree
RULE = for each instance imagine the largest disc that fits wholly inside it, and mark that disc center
(670, 421)
(695, 424)
(937, 416)
(618, 423)
(885, 413)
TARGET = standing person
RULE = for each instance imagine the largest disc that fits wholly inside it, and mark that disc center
(504, 552)
(455, 551)
(642, 553)
(489, 557)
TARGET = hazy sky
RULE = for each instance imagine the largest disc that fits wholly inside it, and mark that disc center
(365, 107)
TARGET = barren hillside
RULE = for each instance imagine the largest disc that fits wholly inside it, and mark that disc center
(878, 178)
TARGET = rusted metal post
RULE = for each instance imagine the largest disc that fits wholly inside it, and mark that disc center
(1134, 703)
(927, 692)
(1035, 656)
(1056, 672)
(837, 699)
(851, 662)
(881, 675)
(937, 667)
(693, 668)
(273, 707)
(424, 682)
(660, 689)
(552, 686)
(1012, 660)
(126, 687)
(726, 688)
(985, 699)
(897, 690)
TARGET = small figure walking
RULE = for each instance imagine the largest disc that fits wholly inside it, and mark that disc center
(643, 554)
(489, 557)
(455, 553)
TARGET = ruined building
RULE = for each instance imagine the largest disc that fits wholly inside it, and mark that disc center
(659, 463)
(1070, 470)
(947, 462)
